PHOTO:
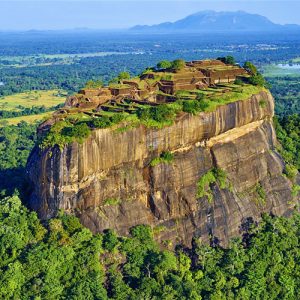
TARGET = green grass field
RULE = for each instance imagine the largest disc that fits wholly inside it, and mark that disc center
(237, 94)
(277, 71)
(49, 59)
(29, 119)
(27, 100)
(33, 98)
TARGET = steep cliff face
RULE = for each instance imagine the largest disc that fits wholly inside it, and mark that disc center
(108, 181)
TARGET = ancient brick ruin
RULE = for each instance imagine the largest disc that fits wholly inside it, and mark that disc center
(159, 86)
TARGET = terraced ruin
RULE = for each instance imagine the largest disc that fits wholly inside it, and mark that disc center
(154, 98)
(156, 86)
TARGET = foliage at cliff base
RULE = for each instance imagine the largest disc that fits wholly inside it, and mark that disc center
(62, 260)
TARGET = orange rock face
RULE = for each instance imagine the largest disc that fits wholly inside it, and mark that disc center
(108, 181)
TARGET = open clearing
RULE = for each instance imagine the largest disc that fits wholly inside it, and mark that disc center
(32, 98)
(280, 70)
(28, 119)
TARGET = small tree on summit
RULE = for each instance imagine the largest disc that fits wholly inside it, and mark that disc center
(256, 78)
(123, 75)
(250, 68)
(94, 84)
(178, 64)
(229, 60)
(164, 64)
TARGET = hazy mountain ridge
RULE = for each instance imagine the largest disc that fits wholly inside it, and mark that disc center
(207, 21)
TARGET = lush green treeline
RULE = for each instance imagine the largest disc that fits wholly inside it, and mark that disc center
(16, 142)
(62, 260)
(26, 111)
(286, 91)
(288, 133)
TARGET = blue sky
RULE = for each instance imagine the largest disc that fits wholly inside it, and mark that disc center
(68, 14)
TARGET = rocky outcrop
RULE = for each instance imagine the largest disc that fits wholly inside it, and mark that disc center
(108, 181)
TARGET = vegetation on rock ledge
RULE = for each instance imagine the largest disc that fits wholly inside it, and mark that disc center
(159, 116)
(166, 157)
(204, 185)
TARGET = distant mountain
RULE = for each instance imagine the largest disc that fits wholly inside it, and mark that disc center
(212, 21)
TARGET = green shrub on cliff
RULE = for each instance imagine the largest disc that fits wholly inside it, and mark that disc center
(194, 106)
(295, 190)
(204, 184)
(54, 137)
(102, 122)
(178, 64)
(261, 194)
(258, 80)
(250, 67)
(63, 133)
(255, 78)
(166, 157)
(157, 116)
(164, 64)
(290, 171)
(123, 75)
(94, 84)
(78, 132)
(262, 103)
(107, 121)
(112, 201)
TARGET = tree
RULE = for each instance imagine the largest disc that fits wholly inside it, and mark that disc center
(229, 60)
(64, 260)
(257, 79)
(101, 122)
(123, 76)
(110, 240)
(250, 68)
(164, 64)
(94, 84)
(160, 113)
(142, 232)
(80, 131)
(16, 142)
(178, 64)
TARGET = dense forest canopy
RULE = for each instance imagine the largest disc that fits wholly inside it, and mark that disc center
(63, 260)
